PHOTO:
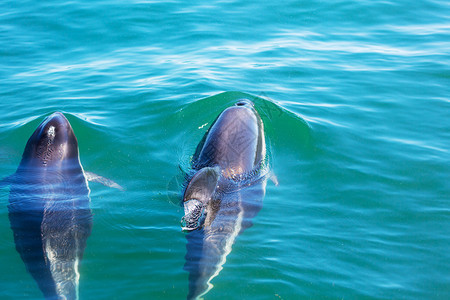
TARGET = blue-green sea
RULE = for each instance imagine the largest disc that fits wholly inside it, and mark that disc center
(355, 100)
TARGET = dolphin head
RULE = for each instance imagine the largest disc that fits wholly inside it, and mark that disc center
(51, 143)
(235, 141)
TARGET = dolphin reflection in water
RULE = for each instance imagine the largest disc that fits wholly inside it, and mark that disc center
(225, 192)
(49, 208)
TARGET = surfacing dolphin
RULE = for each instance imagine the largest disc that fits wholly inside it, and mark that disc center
(49, 208)
(225, 192)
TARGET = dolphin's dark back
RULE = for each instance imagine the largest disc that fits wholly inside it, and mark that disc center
(234, 146)
(49, 209)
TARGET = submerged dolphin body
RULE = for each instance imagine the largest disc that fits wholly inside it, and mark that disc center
(49, 208)
(225, 193)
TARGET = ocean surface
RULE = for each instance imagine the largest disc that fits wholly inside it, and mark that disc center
(355, 100)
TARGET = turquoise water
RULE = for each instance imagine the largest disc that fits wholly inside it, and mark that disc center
(354, 96)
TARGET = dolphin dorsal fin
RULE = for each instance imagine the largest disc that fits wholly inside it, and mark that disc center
(202, 185)
(198, 193)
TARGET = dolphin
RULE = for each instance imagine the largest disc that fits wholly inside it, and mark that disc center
(49, 209)
(224, 194)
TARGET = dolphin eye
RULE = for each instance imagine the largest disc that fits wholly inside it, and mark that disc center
(241, 103)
